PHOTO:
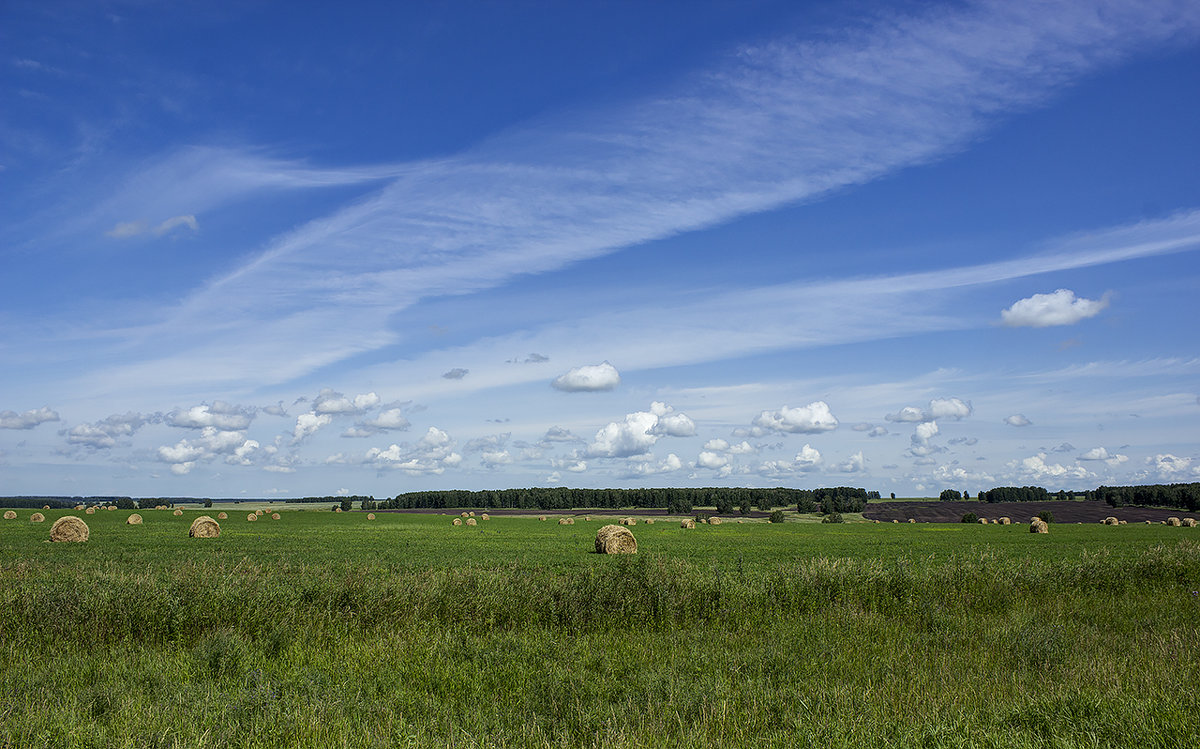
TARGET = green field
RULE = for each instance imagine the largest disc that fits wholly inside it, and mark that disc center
(330, 630)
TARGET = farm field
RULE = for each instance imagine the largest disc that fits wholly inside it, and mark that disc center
(326, 629)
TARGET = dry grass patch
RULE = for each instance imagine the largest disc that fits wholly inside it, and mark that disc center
(204, 527)
(69, 528)
(134, 519)
(615, 539)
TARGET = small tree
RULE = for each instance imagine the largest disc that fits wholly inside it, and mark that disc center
(833, 517)
(347, 504)
(949, 495)
(777, 516)
(744, 506)
(724, 505)
(208, 503)
(1046, 516)
(969, 518)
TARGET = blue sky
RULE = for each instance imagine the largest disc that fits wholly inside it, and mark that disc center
(266, 249)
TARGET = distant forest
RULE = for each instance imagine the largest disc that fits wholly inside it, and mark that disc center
(675, 500)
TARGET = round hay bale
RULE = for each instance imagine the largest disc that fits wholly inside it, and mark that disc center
(204, 527)
(274, 515)
(542, 518)
(260, 511)
(1149, 522)
(134, 519)
(457, 521)
(1005, 521)
(1189, 522)
(1110, 520)
(337, 509)
(1038, 526)
(687, 523)
(37, 517)
(222, 516)
(912, 520)
(484, 516)
(1176, 522)
(471, 514)
(252, 517)
(615, 539)
(177, 513)
(714, 521)
(741, 520)
(983, 521)
(895, 521)
(90, 511)
(78, 507)
(1124, 522)
(69, 528)
(45, 507)
(587, 518)
(629, 521)
(566, 521)
(472, 521)
(10, 515)
(370, 516)
(649, 521)
(111, 508)
(464, 515)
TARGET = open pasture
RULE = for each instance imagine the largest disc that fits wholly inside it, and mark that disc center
(326, 629)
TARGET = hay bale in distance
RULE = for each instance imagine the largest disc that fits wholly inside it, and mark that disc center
(471, 514)
(472, 521)
(484, 516)
(274, 515)
(542, 518)
(37, 517)
(1005, 521)
(714, 521)
(78, 507)
(1037, 525)
(629, 521)
(1189, 522)
(983, 521)
(90, 511)
(177, 513)
(45, 507)
(260, 511)
(912, 520)
(370, 516)
(1110, 520)
(615, 539)
(566, 521)
(895, 521)
(1124, 522)
(457, 521)
(69, 528)
(222, 516)
(252, 517)
(204, 527)
(10, 515)
(1175, 522)
(336, 509)
(687, 523)
(587, 518)
(134, 519)
(464, 515)
(649, 521)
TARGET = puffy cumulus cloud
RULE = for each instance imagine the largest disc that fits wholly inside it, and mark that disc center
(391, 419)
(212, 443)
(957, 475)
(456, 374)
(878, 431)
(332, 402)
(308, 423)
(1058, 308)
(1166, 464)
(588, 378)
(1036, 467)
(1102, 453)
(27, 419)
(433, 454)
(712, 460)
(669, 464)
(856, 463)
(811, 419)
(716, 445)
(920, 447)
(939, 408)
(572, 464)
(219, 415)
(742, 448)
(559, 434)
(808, 459)
(107, 432)
(926, 431)
(639, 431)
(491, 442)
(670, 423)
(968, 441)
(495, 458)
(1017, 420)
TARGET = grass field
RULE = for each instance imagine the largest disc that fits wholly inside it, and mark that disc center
(325, 629)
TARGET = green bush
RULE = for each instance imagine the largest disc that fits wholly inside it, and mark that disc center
(1047, 516)
(777, 516)
(969, 518)
(833, 517)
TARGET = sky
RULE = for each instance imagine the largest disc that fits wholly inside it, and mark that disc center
(266, 249)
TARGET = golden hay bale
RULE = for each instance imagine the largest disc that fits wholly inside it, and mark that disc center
(615, 539)
(687, 523)
(69, 528)
(464, 515)
(457, 521)
(252, 517)
(542, 517)
(1189, 522)
(1124, 522)
(912, 520)
(629, 521)
(10, 515)
(37, 517)
(45, 507)
(566, 521)
(370, 516)
(472, 521)
(1038, 526)
(274, 515)
(111, 508)
(78, 507)
(90, 511)
(741, 520)
(177, 513)
(587, 517)
(260, 511)
(471, 514)
(1176, 522)
(222, 516)
(714, 521)
(1005, 521)
(649, 521)
(1110, 520)
(983, 521)
(1149, 522)
(484, 516)
(134, 519)
(204, 527)
(337, 509)
(895, 521)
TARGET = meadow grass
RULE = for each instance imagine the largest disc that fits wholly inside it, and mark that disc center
(326, 629)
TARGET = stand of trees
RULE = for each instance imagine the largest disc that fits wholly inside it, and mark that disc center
(1183, 496)
(337, 500)
(674, 500)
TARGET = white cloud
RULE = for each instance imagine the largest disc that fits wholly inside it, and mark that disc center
(1168, 465)
(669, 464)
(811, 419)
(639, 431)
(331, 402)
(1017, 420)
(878, 431)
(220, 415)
(456, 374)
(716, 445)
(925, 432)
(939, 408)
(589, 378)
(712, 460)
(494, 458)
(910, 414)
(308, 423)
(107, 432)
(1058, 308)
(670, 423)
(28, 419)
(433, 454)
(854, 464)
(559, 434)
(1036, 467)
(1101, 453)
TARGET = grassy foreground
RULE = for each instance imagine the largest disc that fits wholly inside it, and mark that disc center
(324, 630)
